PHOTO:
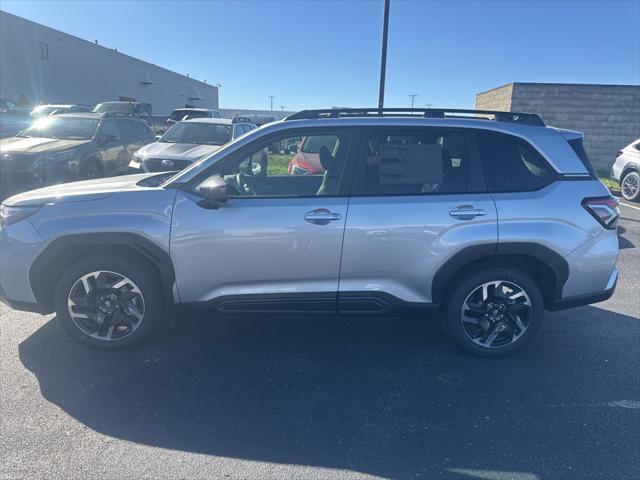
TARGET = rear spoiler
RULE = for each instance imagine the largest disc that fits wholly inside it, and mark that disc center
(570, 134)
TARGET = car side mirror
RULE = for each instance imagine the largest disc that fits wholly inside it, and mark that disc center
(214, 192)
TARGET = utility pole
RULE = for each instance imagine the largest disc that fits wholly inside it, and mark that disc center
(383, 60)
(428, 105)
(413, 97)
(271, 97)
(282, 107)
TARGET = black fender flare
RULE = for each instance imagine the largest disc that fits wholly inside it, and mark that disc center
(500, 251)
(134, 243)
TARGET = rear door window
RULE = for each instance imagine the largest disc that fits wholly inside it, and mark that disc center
(413, 161)
(511, 164)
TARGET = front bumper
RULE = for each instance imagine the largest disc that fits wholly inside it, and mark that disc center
(18, 305)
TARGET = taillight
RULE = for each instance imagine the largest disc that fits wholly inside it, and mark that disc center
(620, 152)
(603, 209)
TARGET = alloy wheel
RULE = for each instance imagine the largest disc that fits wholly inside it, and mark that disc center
(630, 185)
(106, 305)
(496, 314)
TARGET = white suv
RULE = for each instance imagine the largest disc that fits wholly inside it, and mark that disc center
(626, 171)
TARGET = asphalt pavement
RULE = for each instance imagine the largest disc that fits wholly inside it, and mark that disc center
(330, 398)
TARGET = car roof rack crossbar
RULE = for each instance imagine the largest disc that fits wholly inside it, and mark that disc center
(498, 116)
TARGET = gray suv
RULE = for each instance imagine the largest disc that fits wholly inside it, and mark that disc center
(490, 218)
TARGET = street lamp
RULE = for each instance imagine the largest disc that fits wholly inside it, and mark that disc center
(282, 107)
(413, 97)
(271, 97)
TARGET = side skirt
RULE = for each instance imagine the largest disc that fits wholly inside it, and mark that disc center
(344, 303)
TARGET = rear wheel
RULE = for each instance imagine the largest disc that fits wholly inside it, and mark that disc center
(630, 186)
(109, 303)
(494, 312)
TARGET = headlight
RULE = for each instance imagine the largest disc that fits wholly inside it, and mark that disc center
(9, 215)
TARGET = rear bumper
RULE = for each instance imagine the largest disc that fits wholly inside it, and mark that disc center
(587, 299)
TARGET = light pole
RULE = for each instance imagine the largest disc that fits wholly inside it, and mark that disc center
(271, 97)
(428, 105)
(383, 60)
(413, 97)
(282, 107)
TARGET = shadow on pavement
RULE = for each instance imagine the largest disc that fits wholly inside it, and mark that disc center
(388, 396)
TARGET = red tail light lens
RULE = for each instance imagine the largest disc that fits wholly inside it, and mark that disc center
(603, 209)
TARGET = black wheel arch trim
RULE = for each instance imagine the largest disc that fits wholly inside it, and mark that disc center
(476, 253)
(628, 169)
(136, 243)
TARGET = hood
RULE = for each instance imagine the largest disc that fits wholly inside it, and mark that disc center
(177, 151)
(79, 191)
(37, 145)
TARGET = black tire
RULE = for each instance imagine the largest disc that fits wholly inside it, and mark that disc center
(90, 170)
(463, 286)
(633, 178)
(138, 272)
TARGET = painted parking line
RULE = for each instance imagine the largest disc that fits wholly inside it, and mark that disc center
(630, 206)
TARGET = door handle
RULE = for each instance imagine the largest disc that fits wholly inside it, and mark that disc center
(321, 216)
(467, 212)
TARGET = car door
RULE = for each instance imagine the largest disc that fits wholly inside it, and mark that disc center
(110, 143)
(418, 200)
(274, 245)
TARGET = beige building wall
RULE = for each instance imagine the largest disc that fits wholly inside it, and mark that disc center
(608, 115)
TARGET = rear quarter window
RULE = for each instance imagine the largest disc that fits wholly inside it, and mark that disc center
(511, 164)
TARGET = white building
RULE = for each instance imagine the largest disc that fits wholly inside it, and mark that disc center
(42, 65)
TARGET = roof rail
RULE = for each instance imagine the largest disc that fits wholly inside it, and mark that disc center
(512, 117)
(118, 114)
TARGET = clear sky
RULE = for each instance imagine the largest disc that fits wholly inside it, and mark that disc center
(314, 54)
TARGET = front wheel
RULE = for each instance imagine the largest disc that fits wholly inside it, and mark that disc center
(90, 171)
(630, 186)
(109, 303)
(494, 312)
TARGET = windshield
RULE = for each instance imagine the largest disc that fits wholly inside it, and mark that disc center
(63, 127)
(200, 133)
(313, 144)
(114, 107)
(178, 115)
(44, 110)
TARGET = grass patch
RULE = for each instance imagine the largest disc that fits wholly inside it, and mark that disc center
(610, 184)
(278, 164)
(604, 178)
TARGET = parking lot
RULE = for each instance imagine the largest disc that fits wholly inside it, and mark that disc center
(329, 398)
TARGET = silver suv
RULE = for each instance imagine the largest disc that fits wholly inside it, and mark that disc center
(489, 217)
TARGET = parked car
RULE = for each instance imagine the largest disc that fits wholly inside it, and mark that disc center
(626, 171)
(68, 147)
(489, 222)
(140, 110)
(186, 142)
(307, 158)
(55, 109)
(13, 118)
(188, 113)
